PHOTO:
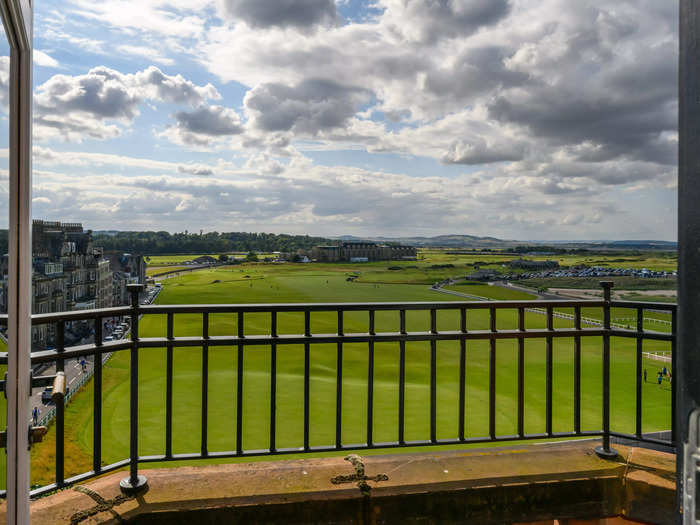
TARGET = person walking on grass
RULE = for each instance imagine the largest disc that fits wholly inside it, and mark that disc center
(660, 378)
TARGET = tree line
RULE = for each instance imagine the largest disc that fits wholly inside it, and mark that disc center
(164, 243)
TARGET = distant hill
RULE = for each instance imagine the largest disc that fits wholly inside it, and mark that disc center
(473, 241)
(644, 245)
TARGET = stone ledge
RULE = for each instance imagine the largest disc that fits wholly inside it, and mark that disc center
(514, 484)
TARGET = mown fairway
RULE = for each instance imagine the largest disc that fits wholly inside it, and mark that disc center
(327, 283)
(661, 261)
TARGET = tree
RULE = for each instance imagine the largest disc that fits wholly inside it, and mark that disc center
(223, 257)
(162, 242)
(251, 257)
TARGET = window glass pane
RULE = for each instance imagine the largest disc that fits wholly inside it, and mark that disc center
(4, 210)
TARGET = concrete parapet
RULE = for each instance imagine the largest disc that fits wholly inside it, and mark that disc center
(521, 484)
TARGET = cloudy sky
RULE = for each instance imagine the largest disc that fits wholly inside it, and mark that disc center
(528, 119)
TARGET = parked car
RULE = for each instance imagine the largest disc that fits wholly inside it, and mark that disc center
(46, 395)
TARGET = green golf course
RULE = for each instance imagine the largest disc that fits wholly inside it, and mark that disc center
(258, 283)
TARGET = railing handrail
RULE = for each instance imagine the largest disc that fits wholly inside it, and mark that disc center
(119, 311)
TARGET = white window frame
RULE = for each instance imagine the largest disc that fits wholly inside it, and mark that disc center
(17, 17)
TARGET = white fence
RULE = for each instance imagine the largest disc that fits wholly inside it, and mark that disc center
(659, 356)
(82, 379)
(616, 323)
(646, 320)
(541, 311)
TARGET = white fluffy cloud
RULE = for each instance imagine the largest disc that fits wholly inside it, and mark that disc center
(541, 75)
(299, 196)
(44, 59)
(99, 103)
(554, 111)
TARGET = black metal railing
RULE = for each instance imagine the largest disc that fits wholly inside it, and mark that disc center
(274, 340)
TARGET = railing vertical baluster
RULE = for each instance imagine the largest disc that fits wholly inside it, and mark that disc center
(169, 386)
(339, 386)
(370, 381)
(674, 377)
(640, 345)
(548, 365)
(307, 370)
(134, 483)
(521, 374)
(273, 383)
(462, 372)
(402, 378)
(577, 371)
(60, 408)
(205, 381)
(239, 387)
(605, 451)
(97, 399)
(492, 374)
(433, 377)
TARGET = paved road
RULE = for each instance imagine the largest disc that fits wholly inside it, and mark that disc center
(73, 371)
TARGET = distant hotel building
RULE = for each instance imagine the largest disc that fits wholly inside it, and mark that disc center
(69, 273)
(363, 251)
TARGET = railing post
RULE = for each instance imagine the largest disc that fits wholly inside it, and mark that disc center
(605, 451)
(134, 483)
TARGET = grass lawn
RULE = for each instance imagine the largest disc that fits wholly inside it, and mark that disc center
(327, 283)
(658, 261)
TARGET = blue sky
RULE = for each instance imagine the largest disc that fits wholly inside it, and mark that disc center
(514, 118)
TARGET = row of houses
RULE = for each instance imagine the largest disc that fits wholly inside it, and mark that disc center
(70, 273)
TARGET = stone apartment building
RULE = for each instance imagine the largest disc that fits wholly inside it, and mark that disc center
(363, 250)
(70, 273)
(125, 268)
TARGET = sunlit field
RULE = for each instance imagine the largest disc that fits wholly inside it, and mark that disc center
(270, 283)
(657, 261)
